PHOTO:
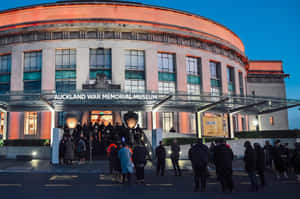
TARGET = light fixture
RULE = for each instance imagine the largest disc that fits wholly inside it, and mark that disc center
(255, 122)
(71, 121)
(34, 153)
(131, 119)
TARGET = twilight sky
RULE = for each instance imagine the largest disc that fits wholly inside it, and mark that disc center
(269, 29)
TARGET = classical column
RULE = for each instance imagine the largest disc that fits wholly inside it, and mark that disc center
(16, 84)
(151, 72)
(181, 80)
(205, 74)
(82, 66)
(118, 67)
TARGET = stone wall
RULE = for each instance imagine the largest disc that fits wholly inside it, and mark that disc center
(12, 151)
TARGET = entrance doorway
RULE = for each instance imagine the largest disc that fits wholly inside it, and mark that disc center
(100, 117)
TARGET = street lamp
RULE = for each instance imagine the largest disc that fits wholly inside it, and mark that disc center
(131, 119)
(71, 121)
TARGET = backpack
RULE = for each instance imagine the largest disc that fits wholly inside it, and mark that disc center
(80, 146)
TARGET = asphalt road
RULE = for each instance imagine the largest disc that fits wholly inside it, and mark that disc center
(83, 186)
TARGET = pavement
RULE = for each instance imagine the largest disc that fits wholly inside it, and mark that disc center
(100, 166)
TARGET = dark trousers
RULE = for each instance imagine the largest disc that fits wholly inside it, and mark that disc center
(253, 180)
(226, 181)
(176, 167)
(128, 177)
(262, 178)
(200, 175)
(160, 168)
(139, 173)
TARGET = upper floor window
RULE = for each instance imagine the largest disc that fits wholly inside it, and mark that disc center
(215, 78)
(166, 62)
(166, 87)
(5, 63)
(134, 60)
(100, 58)
(230, 80)
(65, 59)
(193, 65)
(32, 61)
(241, 83)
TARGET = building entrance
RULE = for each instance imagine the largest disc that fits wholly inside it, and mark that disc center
(102, 117)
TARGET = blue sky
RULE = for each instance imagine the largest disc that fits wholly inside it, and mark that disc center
(269, 29)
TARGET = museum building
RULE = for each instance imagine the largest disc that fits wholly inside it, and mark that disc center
(100, 59)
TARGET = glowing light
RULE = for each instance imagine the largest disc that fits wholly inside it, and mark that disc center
(169, 152)
(255, 122)
(71, 122)
(34, 153)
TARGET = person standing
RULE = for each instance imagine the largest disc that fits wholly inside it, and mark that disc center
(260, 163)
(223, 157)
(81, 149)
(296, 161)
(126, 162)
(62, 149)
(268, 154)
(139, 160)
(250, 165)
(160, 154)
(277, 158)
(199, 156)
(69, 151)
(175, 153)
(111, 154)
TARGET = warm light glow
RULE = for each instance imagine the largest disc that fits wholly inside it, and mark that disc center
(131, 122)
(169, 152)
(71, 122)
(34, 153)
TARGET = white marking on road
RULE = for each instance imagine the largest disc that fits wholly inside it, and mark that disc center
(63, 177)
(57, 185)
(106, 185)
(10, 185)
(161, 185)
(212, 183)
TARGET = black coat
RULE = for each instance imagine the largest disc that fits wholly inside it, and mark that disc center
(160, 153)
(175, 151)
(223, 157)
(250, 159)
(260, 159)
(199, 155)
(296, 160)
(139, 156)
(277, 157)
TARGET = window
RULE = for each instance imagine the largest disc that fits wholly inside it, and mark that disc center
(135, 71)
(100, 58)
(168, 121)
(193, 89)
(166, 62)
(65, 75)
(65, 59)
(5, 63)
(61, 119)
(241, 83)
(30, 123)
(243, 124)
(5, 69)
(272, 120)
(2, 124)
(166, 87)
(192, 123)
(215, 78)
(135, 86)
(32, 71)
(230, 80)
(32, 61)
(135, 60)
(193, 66)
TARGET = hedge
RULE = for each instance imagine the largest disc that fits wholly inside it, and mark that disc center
(269, 134)
(40, 142)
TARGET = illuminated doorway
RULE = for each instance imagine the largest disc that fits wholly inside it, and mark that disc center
(100, 117)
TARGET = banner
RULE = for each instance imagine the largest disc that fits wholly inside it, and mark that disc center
(214, 126)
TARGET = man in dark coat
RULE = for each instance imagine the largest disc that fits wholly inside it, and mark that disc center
(223, 157)
(199, 156)
(250, 164)
(296, 160)
(268, 154)
(175, 153)
(277, 157)
(160, 154)
(139, 160)
(260, 163)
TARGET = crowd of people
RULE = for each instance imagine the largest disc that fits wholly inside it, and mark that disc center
(91, 140)
(127, 153)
